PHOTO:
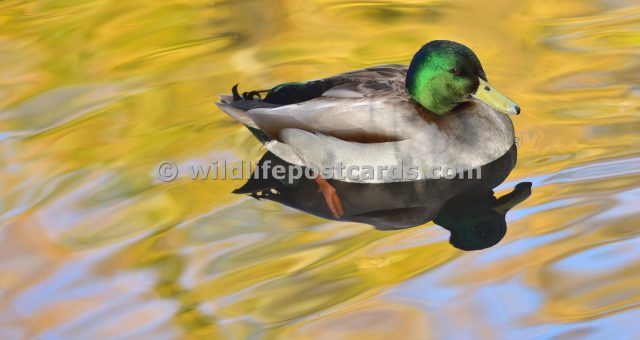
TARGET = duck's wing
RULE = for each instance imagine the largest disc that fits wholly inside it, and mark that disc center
(422, 157)
(368, 105)
(353, 161)
(469, 139)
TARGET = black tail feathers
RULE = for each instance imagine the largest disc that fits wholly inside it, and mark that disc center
(246, 95)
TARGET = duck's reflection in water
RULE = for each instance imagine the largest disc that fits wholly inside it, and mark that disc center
(465, 207)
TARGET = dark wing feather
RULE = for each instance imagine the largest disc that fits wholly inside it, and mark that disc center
(292, 93)
(364, 82)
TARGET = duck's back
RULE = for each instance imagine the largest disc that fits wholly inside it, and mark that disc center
(368, 105)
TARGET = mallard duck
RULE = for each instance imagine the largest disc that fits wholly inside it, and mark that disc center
(439, 112)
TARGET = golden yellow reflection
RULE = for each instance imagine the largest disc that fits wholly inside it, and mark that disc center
(95, 94)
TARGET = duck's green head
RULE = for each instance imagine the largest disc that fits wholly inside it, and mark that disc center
(445, 73)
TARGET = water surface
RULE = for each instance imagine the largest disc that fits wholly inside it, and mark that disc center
(95, 94)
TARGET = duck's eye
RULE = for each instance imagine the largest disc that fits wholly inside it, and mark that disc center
(454, 71)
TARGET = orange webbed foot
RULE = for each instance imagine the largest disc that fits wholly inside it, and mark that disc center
(330, 197)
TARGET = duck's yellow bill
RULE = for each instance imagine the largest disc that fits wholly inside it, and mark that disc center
(498, 101)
